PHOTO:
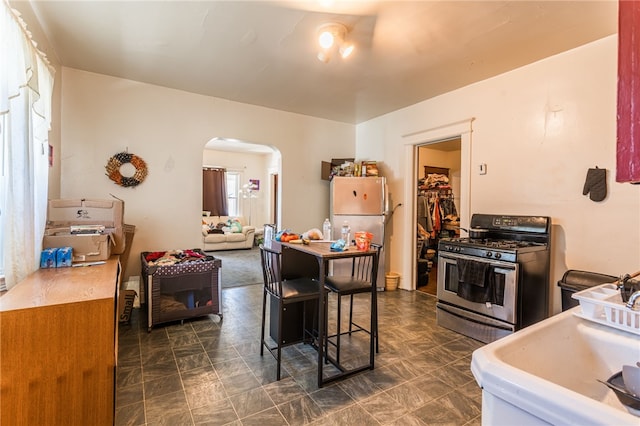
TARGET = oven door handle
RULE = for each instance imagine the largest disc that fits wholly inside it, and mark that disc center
(505, 271)
(495, 263)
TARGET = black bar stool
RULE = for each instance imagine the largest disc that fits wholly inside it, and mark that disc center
(363, 270)
(285, 292)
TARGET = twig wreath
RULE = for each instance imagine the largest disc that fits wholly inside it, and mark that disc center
(113, 169)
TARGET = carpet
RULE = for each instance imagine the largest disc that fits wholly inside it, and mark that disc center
(239, 267)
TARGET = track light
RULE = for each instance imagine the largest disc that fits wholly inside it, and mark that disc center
(324, 56)
(331, 37)
(346, 50)
(326, 39)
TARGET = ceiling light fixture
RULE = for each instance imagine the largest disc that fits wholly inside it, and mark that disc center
(332, 36)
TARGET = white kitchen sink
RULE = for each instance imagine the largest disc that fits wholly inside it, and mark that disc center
(547, 374)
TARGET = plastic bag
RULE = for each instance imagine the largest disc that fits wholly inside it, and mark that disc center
(338, 245)
(313, 234)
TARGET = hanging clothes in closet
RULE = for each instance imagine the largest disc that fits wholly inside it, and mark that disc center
(440, 203)
(424, 213)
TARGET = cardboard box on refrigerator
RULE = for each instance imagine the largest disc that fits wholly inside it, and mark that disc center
(64, 213)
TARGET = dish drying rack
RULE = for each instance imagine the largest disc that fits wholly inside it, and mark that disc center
(603, 304)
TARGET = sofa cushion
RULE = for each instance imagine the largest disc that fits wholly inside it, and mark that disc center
(235, 236)
(217, 238)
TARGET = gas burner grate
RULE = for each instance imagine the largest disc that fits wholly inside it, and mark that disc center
(495, 244)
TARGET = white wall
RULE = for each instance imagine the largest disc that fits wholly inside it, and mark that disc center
(251, 166)
(103, 115)
(538, 129)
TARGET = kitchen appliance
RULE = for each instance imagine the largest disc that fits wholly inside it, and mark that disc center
(491, 287)
(363, 203)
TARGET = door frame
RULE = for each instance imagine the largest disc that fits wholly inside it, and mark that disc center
(462, 129)
(274, 215)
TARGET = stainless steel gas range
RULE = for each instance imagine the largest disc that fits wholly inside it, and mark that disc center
(490, 287)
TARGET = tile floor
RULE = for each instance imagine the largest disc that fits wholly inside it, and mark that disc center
(210, 372)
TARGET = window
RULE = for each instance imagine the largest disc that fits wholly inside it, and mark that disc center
(221, 191)
(26, 85)
(233, 193)
(3, 143)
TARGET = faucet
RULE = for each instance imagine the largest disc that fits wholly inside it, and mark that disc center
(627, 286)
(632, 299)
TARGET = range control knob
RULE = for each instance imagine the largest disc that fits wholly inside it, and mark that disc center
(488, 254)
(456, 249)
(498, 256)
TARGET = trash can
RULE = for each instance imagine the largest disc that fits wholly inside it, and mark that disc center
(422, 276)
(391, 282)
(573, 281)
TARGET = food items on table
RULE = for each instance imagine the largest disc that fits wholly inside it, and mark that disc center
(286, 236)
(313, 234)
(363, 240)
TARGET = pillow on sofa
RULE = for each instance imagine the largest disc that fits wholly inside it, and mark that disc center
(235, 225)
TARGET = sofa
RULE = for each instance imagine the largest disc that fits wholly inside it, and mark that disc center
(226, 233)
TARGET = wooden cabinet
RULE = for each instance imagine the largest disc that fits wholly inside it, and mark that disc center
(628, 148)
(58, 344)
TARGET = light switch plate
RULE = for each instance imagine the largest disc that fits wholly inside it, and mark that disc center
(482, 169)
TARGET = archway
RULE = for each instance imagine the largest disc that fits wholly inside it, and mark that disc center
(256, 168)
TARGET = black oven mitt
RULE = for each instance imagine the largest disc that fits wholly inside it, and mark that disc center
(596, 184)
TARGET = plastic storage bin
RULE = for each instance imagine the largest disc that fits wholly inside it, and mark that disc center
(603, 304)
(574, 281)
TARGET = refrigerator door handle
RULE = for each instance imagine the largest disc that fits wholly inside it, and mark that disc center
(386, 199)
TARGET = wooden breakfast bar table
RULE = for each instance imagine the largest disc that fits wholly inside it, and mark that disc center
(321, 252)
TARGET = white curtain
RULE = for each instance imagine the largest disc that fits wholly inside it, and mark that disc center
(26, 85)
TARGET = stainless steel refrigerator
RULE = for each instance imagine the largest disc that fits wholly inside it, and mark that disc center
(363, 203)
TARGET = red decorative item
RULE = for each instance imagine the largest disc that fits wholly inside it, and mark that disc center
(628, 145)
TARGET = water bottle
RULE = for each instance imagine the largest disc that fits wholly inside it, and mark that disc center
(345, 233)
(326, 229)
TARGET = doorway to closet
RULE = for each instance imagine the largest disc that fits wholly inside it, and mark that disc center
(438, 192)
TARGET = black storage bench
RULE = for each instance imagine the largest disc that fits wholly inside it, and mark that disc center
(182, 290)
